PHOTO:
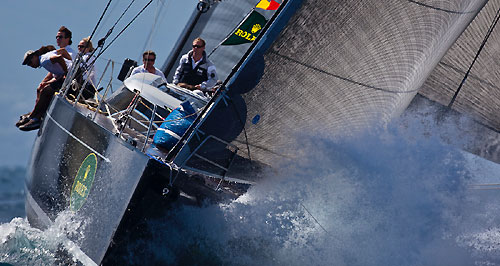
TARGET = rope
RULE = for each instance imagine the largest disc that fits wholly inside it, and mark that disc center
(149, 108)
(100, 19)
(148, 42)
(231, 32)
(490, 30)
(123, 13)
(100, 43)
(154, 27)
(140, 12)
(314, 218)
(244, 128)
(195, 113)
(80, 55)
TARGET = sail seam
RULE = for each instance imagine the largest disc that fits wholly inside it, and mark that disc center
(460, 71)
(441, 9)
(340, 77)
(77, 139)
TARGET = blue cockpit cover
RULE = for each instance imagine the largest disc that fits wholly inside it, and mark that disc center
(176, 123)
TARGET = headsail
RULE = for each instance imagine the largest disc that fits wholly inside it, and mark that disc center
(214, 26)
(479, 96)
(332, 67)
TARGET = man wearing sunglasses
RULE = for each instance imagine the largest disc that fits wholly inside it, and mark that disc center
(57, 63)
(63, 39)
(47, 86)
(148, 58)
(195, 71)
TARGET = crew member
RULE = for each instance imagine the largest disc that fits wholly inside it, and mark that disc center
(195, 71)
(148, 59)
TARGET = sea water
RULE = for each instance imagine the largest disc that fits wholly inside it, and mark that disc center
(394, 196)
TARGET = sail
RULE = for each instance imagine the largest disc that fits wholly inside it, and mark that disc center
(214, 26)
(479, 95)
(332, 67)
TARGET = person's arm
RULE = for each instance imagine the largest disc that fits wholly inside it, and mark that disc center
(159, 73)
(177, 74)
(136, 70)
(48, 77)
(212, 80)
(64, 53)
(59, 60)
(45, 81)
(50, 81)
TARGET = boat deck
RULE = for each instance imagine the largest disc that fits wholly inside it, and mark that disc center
(128, 135)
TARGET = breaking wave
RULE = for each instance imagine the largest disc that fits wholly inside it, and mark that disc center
(396, 196)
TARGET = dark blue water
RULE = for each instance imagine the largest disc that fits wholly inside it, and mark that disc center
(392, 197)
(11, 193)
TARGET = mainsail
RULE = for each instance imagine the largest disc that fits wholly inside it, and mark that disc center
(214, 26)
(480, 93)
(331, 67)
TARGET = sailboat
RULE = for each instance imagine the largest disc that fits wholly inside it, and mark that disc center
(334, 68)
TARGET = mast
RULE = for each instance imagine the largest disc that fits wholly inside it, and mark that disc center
(172, 58)
(217, 97)
(194, 25)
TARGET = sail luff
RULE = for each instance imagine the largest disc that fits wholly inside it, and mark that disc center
(176, 51)
(231, 32)
(173, 155)
(332, 69)
(252, 46)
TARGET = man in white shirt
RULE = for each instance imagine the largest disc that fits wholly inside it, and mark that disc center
(63, 39)
(57, 63)
(148, 59)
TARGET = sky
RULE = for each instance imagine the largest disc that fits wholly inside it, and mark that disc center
(29, 24)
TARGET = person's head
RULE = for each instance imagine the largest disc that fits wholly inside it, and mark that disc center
(85, 45)
(148, 58)
(198, 46)
(63, 37)
(31, 59)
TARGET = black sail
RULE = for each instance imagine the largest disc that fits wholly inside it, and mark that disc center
(332, 67)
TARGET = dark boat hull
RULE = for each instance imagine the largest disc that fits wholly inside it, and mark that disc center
(99, 179)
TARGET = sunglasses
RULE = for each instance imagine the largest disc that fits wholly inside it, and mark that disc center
(81, 46)
(60, 37)
(197, 46)
(149, 59)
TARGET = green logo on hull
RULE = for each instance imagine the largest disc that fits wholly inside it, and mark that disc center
(83, 182)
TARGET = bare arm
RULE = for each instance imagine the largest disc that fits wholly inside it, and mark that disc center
(46, 80)
(60, 60)
(48, 77)
(64, 53)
